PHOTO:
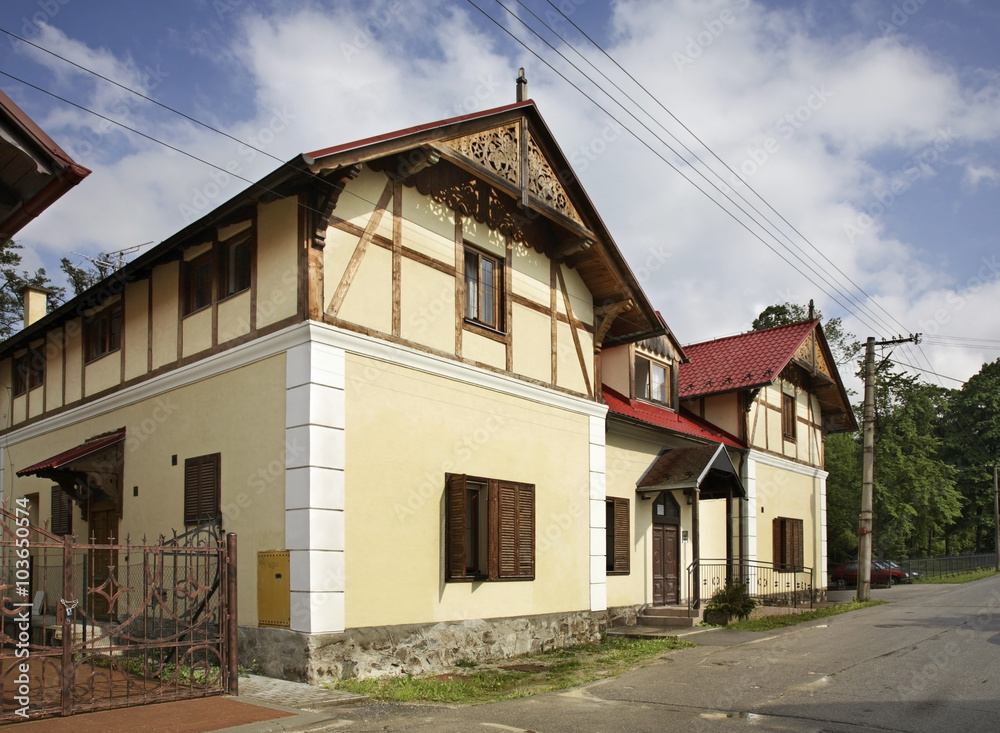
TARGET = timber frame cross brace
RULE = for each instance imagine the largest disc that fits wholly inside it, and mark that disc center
(607, 315)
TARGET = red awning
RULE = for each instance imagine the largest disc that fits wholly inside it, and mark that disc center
(90, 445)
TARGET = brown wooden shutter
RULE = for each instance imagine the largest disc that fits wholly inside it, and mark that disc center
(512, 544)
(201, 488)
(623, 538)
(454, 526)
(777, 544)
(62, 512)
(796, 550)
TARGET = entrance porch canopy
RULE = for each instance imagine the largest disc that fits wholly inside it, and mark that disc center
(706, 469)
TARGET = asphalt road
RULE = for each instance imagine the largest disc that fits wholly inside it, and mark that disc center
(927, 661)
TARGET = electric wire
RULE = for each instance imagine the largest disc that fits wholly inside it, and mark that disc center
(838, 285)
(659, 155)
(717, 157)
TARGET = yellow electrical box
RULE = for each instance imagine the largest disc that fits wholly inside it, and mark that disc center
(273, 589)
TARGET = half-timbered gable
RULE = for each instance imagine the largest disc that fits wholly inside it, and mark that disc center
(380, 366)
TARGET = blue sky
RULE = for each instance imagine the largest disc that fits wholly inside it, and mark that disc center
(872, 127)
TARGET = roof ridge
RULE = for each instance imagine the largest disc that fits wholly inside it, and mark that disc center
(753, 332)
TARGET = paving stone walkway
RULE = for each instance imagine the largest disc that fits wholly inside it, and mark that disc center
(294, 694)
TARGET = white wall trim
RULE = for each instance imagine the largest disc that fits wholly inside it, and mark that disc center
(287, 338)
(777, 462)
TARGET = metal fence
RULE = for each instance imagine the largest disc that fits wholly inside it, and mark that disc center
(932, 567)
(88, 626)
(765, 584)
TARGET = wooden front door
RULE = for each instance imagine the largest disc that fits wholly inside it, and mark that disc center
(102, 562)
(666, 556)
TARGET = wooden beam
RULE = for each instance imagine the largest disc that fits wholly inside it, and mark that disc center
(335, 184)
(572, 329)
(397, 255)
(359, 252)
(607, 315)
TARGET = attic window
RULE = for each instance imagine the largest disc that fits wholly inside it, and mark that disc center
(788, 420)
(104, 332)
(483, 291)
(198, 283)
(235, 265)
(29, 371)
(652, 381)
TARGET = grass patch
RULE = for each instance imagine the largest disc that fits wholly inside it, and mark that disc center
(522, 676)
(767, 623)
(959, 577)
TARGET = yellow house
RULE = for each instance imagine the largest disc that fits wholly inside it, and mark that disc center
(416, 377)
(379, 367)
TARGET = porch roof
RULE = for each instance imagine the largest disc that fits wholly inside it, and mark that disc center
(90, 445)
(707, 469)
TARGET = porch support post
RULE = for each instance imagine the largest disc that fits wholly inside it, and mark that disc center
(696, 547)
(729, 536)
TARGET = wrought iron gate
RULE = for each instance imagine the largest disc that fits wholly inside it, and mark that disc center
(101, 625)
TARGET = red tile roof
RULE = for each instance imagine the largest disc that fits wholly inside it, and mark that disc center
(90, 445)
(661, 417)
(316, 154)
(746, 361)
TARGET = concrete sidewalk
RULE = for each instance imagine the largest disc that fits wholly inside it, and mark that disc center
(264, 705)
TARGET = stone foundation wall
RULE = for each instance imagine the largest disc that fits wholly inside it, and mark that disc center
(415, 648)
(624, 615)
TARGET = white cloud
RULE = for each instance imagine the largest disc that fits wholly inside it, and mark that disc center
(828, 129)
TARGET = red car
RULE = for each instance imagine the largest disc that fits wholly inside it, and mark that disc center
(846, 574)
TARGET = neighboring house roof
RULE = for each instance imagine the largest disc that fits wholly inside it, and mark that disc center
(89, 446)
(755, 359)
(661, 417)
(34, 171)
(625, 314)
(747, 361)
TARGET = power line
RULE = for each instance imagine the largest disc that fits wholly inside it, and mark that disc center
(661, 156)
(708, 148)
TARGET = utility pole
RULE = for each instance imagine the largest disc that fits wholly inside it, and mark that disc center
(868, 466)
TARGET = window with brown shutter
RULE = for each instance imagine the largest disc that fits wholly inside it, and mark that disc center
(201, 488)
(617, 535)
(62, 512)
(489, 529)
(788, 420)
(787, 543)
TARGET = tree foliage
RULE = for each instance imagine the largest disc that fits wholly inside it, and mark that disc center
(82, 277)
(12, 281)
(844, 345)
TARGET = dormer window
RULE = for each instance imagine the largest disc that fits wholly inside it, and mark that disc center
(652, 381)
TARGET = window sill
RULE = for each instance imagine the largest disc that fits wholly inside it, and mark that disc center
(664, 405)
(199, 310)
(234, 295)
(92, 359)
(484, 330)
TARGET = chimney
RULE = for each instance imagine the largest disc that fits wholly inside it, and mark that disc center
(522, 85)
(36, 303)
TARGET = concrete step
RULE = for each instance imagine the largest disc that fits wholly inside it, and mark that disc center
(669, 616)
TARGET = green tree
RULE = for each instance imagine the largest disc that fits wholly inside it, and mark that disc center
(12, 281)
(843, 494)
(87, 275)
(845, 346)
(971, 433)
